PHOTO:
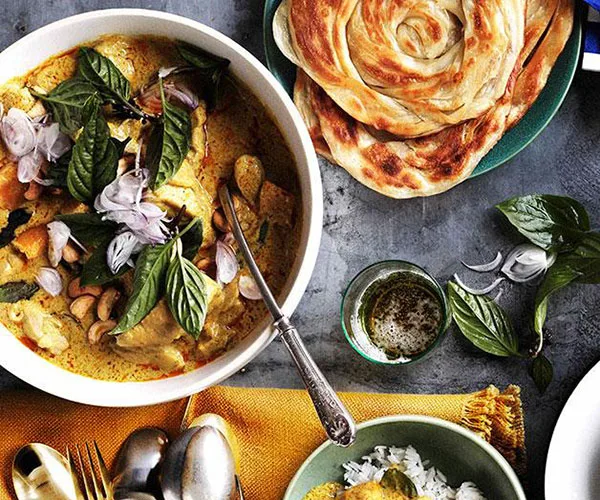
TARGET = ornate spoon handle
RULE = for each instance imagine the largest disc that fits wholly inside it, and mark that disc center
(337, 421)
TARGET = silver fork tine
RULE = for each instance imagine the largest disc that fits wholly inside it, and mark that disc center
(97, 490)
(104, 475)
(73, 474)
(88, 491)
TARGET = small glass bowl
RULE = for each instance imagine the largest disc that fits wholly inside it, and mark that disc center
(353, 298)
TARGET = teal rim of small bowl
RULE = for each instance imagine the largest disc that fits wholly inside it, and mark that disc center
(515, 140)
(446, 316)
(394, 419)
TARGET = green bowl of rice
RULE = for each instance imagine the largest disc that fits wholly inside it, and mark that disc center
(444, 460)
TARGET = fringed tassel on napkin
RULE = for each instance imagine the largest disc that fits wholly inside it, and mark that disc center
(498, 418)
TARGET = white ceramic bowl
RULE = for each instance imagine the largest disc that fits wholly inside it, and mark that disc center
(36, 47)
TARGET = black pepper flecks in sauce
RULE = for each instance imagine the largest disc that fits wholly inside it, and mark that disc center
(401, 315)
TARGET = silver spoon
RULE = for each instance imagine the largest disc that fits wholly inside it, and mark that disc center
(199, 465)
(138, 462)
(39, 472)
(337, 421)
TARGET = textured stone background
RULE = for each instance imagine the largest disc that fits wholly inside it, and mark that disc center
(361, 227)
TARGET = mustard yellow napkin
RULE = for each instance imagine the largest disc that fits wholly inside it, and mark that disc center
(269, 423)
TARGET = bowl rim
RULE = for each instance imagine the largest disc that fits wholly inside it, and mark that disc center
(423, 419)
(36, 371)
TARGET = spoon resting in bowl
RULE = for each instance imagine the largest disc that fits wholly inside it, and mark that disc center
(337, 421)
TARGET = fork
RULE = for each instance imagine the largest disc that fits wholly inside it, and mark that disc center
(99, 488)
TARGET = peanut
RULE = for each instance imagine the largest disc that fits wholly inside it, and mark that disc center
(220, 222)
(107, 301)
(34, 191)
(70, 254)
(81, 306)
(98, 329)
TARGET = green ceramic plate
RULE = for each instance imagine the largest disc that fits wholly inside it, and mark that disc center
(536, 119)
(456, 451)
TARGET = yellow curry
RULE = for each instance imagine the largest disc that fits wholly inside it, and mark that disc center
(371, 490)
(116, 261)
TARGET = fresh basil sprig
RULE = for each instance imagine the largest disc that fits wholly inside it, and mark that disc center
(102, 73)
(89, 228)
(169, 142)
(210, 69)
(17, 290)
(581, 265)
(94, 159)
(483, 322)
(548, 221)
(192, 241)
(69, 102)
(148, 282)
(186, 294)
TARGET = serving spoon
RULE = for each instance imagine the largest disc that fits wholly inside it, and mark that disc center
(337, 421)
(39, 472)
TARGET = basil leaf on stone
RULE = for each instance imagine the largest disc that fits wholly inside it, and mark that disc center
(69, 101)
(542, 372)
(95, 270)
(210, 69)
(192, 241)
(16, 218)
(148, 282)
(186, 295)
(483, 322)
(169, 142)
(94, 159)
(581, 265)
(548, 221)
(17, 290)
(89, 228)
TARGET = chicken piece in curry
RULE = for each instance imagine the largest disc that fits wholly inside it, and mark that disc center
(116, 260)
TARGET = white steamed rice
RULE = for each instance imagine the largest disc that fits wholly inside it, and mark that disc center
(428, 480)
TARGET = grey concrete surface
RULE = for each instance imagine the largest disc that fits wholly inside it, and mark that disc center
(361, 227)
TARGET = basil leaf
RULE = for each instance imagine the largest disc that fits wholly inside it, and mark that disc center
(542, 372)
(90, 229)
(69, 101)
(169, 142)
(95, 270)
(186, 295)
(209, 67)
(59, 170)
(192, 241)
(16, 218)
(148, 285)
(483, 322)
(120, 145)
(17, 290)
(581, 265)
(395, 480)
(94, 160)
(148, 282)
(548, 221)
(104, 75)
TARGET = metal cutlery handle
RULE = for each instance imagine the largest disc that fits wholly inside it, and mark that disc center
(337, 421)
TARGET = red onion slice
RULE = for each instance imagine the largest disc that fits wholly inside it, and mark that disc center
(478, 291)
(526, 262)
(50, 280)
(174, 92)
(51, 142)
(249, 288)
(58, 237)
(120, 250)
(18, 132)
(29, 166)
(485, 268)
(227, 264)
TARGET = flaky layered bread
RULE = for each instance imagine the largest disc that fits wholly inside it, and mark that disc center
(347, 102)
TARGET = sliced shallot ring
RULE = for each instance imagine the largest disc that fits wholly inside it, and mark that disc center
(478, 291)
(50, 280)
(485, 268)
(248, 288)
(227, 264)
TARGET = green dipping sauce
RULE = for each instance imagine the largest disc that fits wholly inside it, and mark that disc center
(401, 314)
